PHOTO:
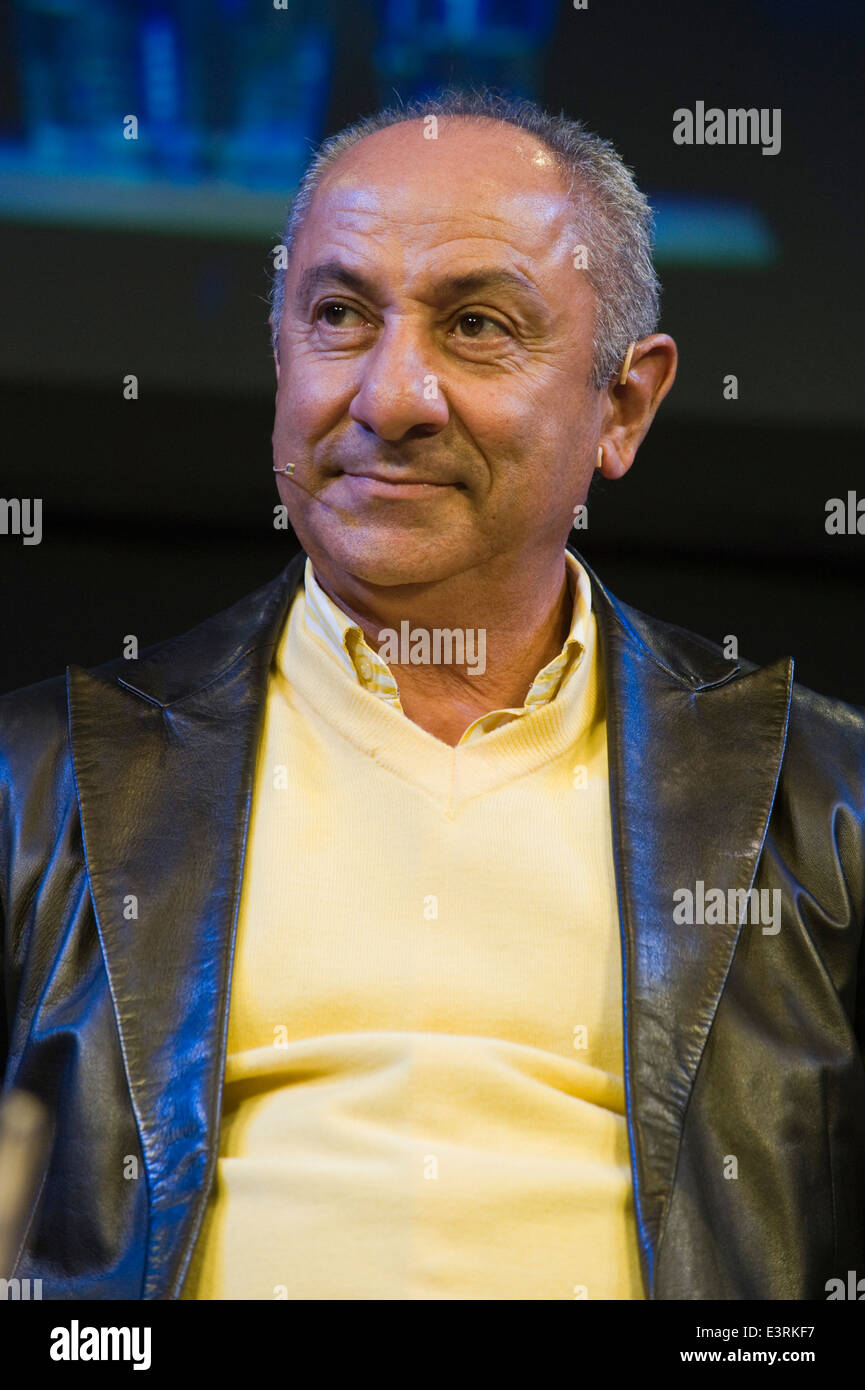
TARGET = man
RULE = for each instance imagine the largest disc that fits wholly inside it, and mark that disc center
(432, 924)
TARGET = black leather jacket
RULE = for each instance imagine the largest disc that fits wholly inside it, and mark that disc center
(133, 782)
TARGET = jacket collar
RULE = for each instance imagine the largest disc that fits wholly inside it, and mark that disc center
(164, 753)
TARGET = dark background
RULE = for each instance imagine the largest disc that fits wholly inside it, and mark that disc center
(158, 512)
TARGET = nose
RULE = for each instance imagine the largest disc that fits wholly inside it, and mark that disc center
(399, 394)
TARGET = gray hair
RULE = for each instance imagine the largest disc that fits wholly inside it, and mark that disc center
(618, 220)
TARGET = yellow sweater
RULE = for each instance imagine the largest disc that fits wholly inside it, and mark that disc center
(424, 1080)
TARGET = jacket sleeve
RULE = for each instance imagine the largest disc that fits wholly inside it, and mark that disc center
(823, 796)
(4, 891)
(35, 785)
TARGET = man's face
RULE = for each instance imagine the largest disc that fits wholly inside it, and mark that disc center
(436, 332)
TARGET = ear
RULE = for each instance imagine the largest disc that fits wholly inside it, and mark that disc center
(630, 409)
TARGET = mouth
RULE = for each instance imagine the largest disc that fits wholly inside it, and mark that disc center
(374, 485)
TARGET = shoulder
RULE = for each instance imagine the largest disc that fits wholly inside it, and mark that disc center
(37, 783)
(40, 711)
(33, 722)
(822, 731)
(826, 746)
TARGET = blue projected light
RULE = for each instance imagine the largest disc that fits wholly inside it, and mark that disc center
(149, 116)
(709, 232)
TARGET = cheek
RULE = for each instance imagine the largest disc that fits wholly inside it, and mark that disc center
(520, 419)
(536, 435)
(501, 414)
(310, 399)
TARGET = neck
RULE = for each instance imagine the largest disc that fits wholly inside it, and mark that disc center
(511, 627)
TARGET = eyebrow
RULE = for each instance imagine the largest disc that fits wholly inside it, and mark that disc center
(331, 273)
(488, 278)
(485, 278)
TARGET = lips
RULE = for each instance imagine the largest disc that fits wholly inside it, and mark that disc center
(361, 487)
(399, 479)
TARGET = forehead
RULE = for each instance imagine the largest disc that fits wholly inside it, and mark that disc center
(481, 185)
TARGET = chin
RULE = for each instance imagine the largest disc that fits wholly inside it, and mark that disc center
(389, 556)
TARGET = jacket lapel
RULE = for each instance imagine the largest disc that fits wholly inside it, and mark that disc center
(164, 755)
(695, 745)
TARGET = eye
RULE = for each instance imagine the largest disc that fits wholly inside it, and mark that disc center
(479, 326)
(336, 314)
